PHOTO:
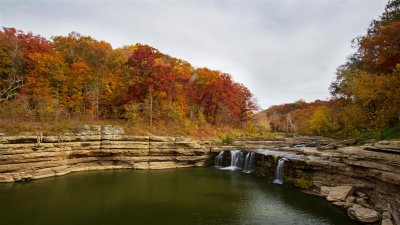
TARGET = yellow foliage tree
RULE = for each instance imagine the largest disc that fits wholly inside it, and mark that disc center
(321, 122)
(379, 97)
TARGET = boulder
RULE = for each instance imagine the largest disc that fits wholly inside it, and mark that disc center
(89, 130)
(325, 190)
(339, 193)
(361, 194)
(350, 199)
(385, 215)
(85, 130)
(386, 218)
(111, 130)
(365, 215)
(361, 201)
(386, 221)
(344, 205)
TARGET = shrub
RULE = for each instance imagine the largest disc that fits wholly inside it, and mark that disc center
(390, 133)
(228, 140)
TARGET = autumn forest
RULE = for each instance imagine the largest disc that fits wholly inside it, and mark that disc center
(67, 80)
(365, 95)
(76, 77)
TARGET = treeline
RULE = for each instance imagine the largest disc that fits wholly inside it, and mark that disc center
(302, 117)
(366, 92)
(78, 77)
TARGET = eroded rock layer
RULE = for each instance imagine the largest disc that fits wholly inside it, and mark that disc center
(365, 180)
(334, 171)
(34, 157)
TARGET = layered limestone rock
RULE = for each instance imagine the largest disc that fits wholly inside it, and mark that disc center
(374, 172)
(319, 166)
(361, 179)
(34, 157)
(339, 193)
(363, 214)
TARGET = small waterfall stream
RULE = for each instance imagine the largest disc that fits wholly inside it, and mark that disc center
(249, 162)
(219, 159)
(237, 159)
(279, 171)
(246, 161)
(240, 161)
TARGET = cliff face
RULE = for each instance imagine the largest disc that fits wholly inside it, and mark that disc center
(371, 173)
(34, 157)
(375, 173)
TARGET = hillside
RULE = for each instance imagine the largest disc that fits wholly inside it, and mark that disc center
(52, 83)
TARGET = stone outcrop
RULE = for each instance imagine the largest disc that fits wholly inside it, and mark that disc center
(324, 190)
(319, 165)
(344, 205)
(365, 180)
(34, 157)
(357, 206)
(99, 130)
(375, 173)
(386, 221)
(339, 193)
(363, 214)
(386, 218)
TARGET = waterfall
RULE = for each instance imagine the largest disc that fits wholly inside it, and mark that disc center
(219, 159)
(249, 162)
(237, 159)
(279, 171)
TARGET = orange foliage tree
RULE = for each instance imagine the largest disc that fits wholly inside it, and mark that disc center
(77, 76)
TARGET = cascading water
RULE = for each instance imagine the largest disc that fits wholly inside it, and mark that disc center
(237, 158)
(219, 159)
(279, 171)
(249, 162)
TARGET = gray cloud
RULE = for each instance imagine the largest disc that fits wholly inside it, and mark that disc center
(283, 50)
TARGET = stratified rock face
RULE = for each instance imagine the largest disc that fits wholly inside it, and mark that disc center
(362, 214)
(332, 172)
(373, 171)
(99, 130)
(339, 193)
(34, 157)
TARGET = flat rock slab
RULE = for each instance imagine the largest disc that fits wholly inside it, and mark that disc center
(339, 193)
(362, 214)
(325, 190)
(344, 205)
(386, 221)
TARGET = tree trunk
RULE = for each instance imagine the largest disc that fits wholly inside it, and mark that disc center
(84, 98)
(151, 108)
(97, 104)
(57, 104)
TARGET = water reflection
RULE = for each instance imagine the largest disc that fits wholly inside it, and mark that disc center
(177, 196)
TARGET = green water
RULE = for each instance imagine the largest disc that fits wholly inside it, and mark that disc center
(203, 196)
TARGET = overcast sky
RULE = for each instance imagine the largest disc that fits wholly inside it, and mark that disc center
(282, 50)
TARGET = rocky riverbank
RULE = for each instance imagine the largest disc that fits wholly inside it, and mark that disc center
(364, 180)
(97, 148)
